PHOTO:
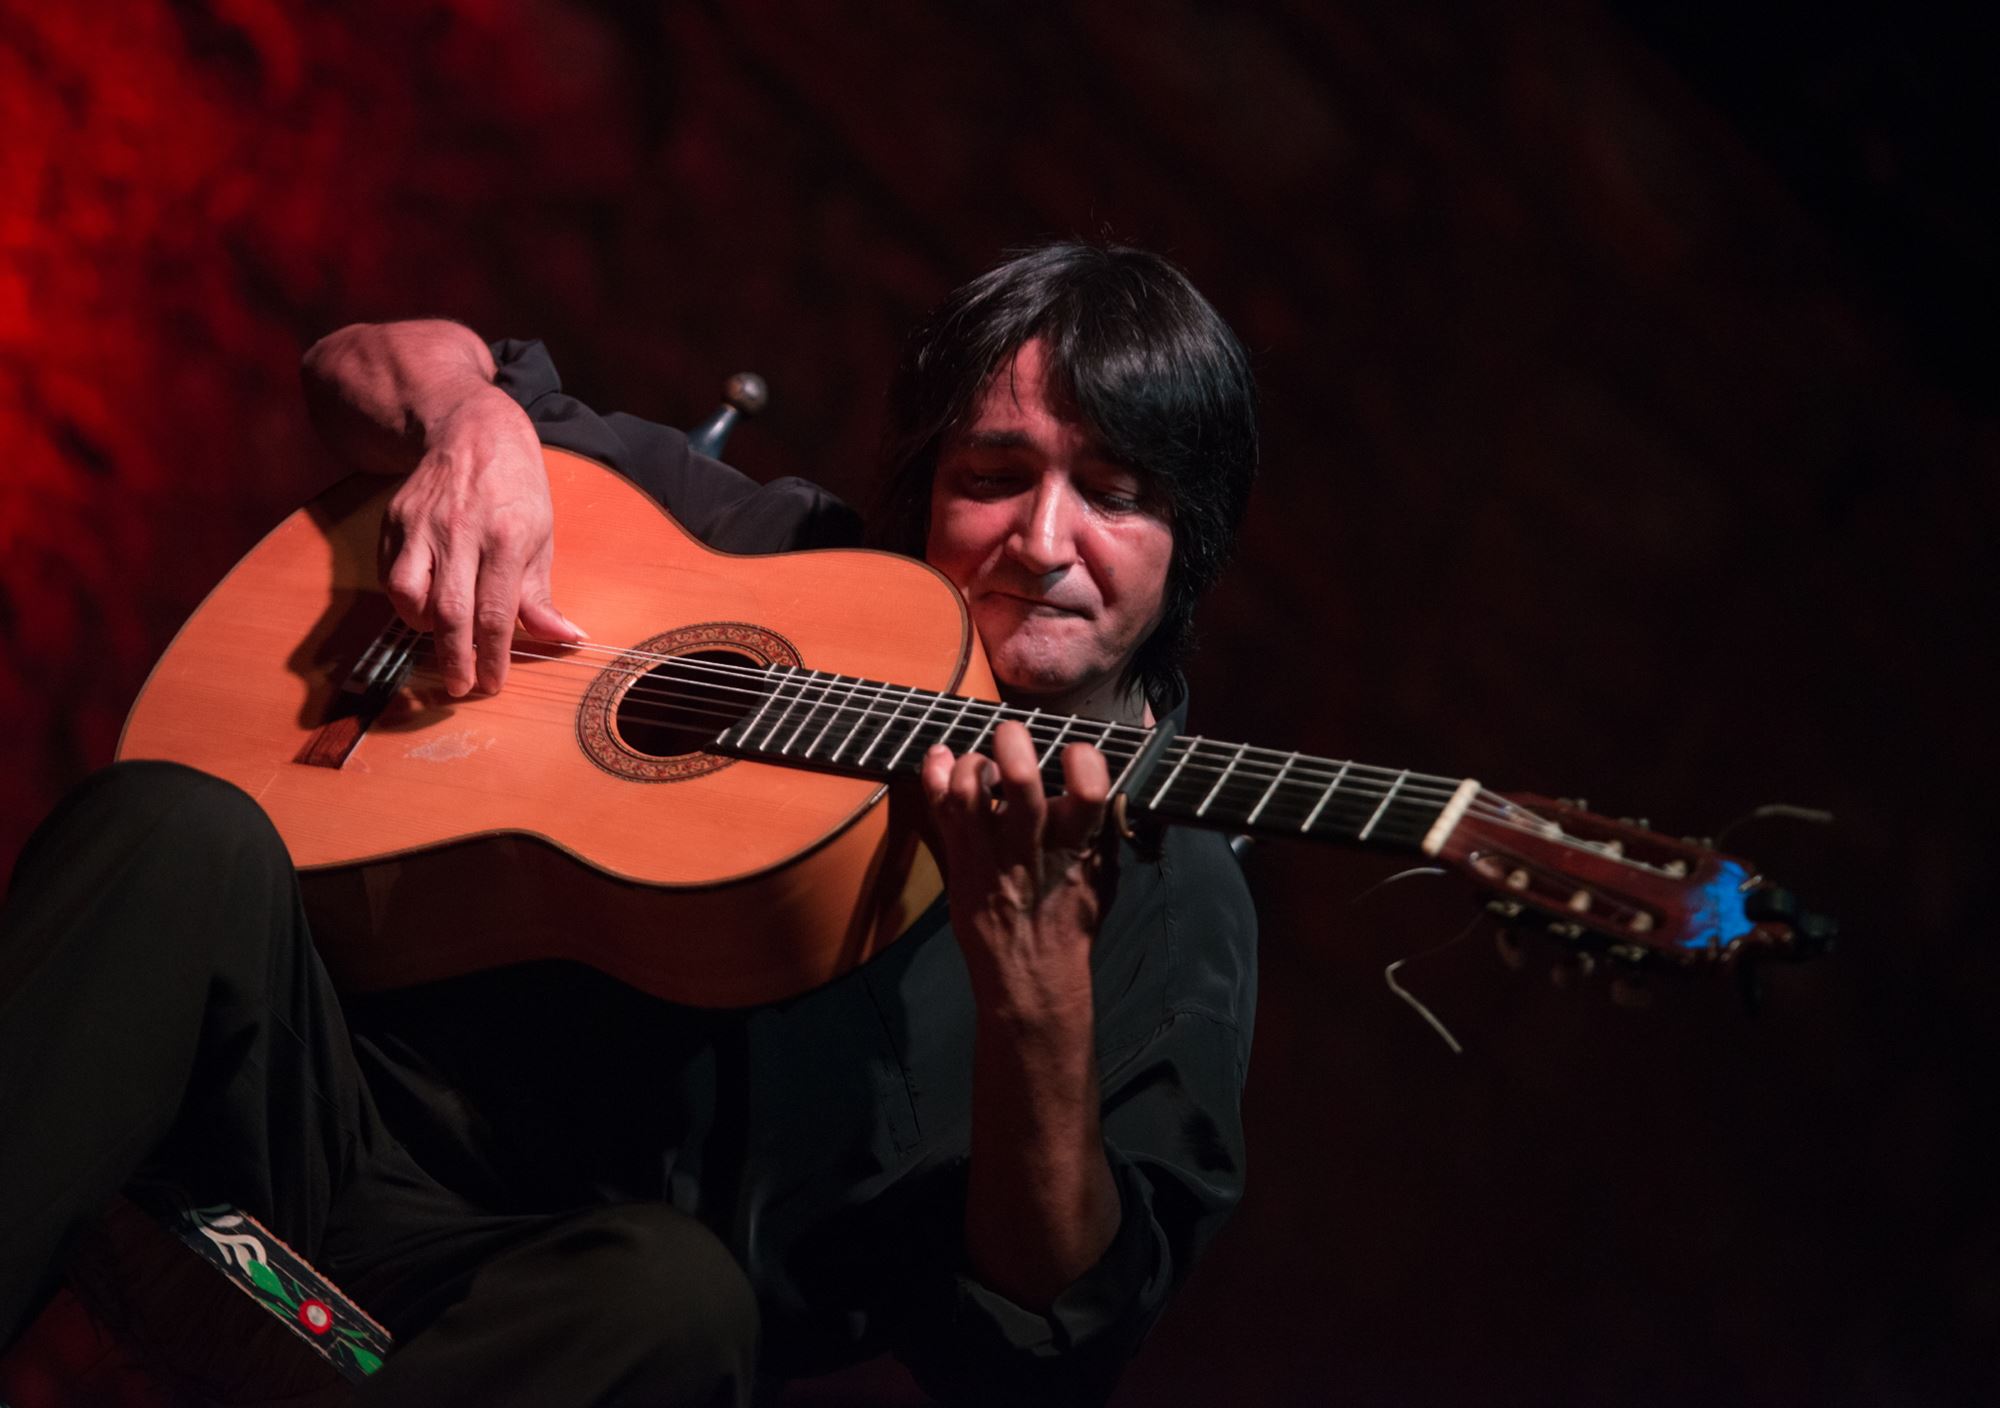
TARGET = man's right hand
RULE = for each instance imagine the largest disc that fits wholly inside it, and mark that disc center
(468, 541)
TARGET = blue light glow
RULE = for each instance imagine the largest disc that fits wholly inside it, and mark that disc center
(1716, 918)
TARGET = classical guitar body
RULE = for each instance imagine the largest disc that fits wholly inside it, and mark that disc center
(437, 836)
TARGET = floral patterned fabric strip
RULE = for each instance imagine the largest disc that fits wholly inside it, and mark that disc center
(277, 1278)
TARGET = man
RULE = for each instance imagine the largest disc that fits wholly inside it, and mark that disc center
(994, 1150)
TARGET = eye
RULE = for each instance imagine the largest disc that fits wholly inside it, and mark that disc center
(990, 483)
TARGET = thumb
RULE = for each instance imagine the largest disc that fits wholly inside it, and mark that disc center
(538, 607)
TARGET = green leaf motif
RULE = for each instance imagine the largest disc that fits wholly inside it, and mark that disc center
(266, 1280)
(368, 1362)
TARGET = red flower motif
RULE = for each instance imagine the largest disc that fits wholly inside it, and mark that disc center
(315, 1316)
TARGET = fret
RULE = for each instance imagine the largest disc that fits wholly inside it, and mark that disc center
(1186, 753)
(917, 728)
(819, 718)
(1221, 778)
(992, 722)
(790, 674)
(1029, 722)
(944, 737)
(1383, 805)
(882, 732)
(1138, 749)
(806, 722)
(1042, 763)
(1264, 800)
(836, 712)
(1325, 797)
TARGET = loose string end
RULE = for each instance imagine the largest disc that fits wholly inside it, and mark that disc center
(1389, 977)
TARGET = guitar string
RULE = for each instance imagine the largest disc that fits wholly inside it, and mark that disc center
(1503, 813)
(1251, 780)
(1238, 783)
(1490, 806)
(1600, 897)
(875, 695)
(1138, 734)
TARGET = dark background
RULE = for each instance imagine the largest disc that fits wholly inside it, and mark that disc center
(1631, 433)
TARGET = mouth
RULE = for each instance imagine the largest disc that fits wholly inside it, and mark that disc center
(1037, 604)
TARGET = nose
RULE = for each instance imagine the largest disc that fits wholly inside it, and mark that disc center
(1044, 541)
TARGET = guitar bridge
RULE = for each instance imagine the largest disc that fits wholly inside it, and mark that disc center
(366, 690)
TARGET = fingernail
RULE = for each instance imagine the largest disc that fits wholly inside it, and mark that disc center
(580, 632)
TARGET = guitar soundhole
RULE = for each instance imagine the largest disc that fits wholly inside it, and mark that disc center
(679, 707)
(649, 716)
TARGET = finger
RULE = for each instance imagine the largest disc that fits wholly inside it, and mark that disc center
(970, 791)
(1026, 805)
(1077, 817)
(538, 606)
(407, 579)
(496, 604)
(936, 774)
(388, 546)
(453, 578)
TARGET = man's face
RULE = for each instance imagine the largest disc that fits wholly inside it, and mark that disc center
(1061, 552)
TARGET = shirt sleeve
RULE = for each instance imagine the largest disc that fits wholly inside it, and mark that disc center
(1172, 1119)
(722, 507)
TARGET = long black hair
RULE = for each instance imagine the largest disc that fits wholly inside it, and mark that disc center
(1136, 356)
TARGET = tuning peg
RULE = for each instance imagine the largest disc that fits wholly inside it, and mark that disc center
(1812, 934)
(1568, 972)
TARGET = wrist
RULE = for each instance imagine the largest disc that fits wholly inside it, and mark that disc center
(1021, 997)
(381, 394)
(462, 409)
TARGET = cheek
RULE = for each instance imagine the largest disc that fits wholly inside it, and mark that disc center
(961, 537)
(1137, 572)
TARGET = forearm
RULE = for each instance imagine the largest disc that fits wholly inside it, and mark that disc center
(379, 393)
(1041, 1203)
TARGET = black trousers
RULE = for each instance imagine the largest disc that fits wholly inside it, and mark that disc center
(161, 1007)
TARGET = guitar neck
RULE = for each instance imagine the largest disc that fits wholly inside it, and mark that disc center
(808, 718)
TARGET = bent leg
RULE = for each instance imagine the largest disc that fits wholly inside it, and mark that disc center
(159, 994)
(622, 1307)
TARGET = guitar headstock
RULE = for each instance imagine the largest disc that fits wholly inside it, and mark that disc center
(1617, 888)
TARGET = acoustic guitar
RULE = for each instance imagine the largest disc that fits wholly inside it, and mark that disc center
(698, 805)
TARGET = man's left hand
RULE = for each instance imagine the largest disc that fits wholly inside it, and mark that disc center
(1021, 871)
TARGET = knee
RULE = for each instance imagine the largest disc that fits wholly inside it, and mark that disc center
(155, 828)
(152, 788)
(675, 1295)
(162, 804)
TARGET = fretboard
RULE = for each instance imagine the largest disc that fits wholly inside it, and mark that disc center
(838, 723)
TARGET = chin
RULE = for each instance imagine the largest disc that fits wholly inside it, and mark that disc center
(1025, 672)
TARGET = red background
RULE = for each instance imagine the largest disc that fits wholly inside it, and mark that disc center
(1627, 436)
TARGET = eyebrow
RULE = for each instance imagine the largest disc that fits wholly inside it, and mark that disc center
(995, 440)
(1019, 440)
